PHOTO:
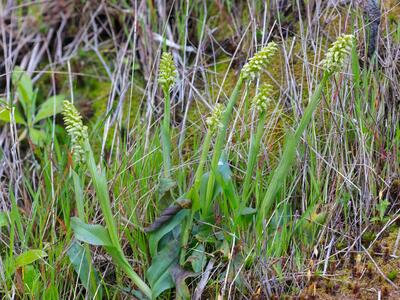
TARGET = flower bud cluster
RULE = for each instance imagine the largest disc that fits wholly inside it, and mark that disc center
(259, 61)
(338, 53)
(76, 130)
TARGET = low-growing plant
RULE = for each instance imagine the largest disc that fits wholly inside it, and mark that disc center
(97, 234)
(25, 112)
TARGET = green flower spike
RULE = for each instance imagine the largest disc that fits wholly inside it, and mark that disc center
(264, 96)
(259, 61)
(337, 53)
(214, 121)
(167, 73)
(76, 130)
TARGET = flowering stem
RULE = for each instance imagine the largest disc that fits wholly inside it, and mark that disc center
(102, 193)
(288, 155)
(166, 78)
(167, 110)
(219, 144)
(165, 134)
(251, 161)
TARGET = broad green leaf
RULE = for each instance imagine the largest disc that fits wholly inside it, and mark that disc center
(80, 260)
(156, 236)
(24, 89)
(5, 115)
(50, 107)
(37, 136)
(91, 234)
(158, 274)
(163, 283)
(29, 257)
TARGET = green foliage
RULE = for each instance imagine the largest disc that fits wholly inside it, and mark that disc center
(81, 261)
(263, 201)
(381, 209)
(392, 275)
(28, 257)
(30, 116)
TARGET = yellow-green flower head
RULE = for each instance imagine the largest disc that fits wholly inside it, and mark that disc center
(167, 72)
(338, 53)
(76, 130)
(259, 61)
(264, 96)
(214, 121)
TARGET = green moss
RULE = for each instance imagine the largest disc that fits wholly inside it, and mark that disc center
(368, 237)
(392, 275)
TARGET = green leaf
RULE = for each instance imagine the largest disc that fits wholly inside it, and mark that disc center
(29, 257)
(224, 179)
(49, 108)
(80, 260)
(3, 219)
(24, 89)
(31, 277)
(5, 115)
(37, 136)
(198, 258)
(289, 155)
(91, 234)
(158, 274)
(115, 249)
(156, 236)
(204, 186)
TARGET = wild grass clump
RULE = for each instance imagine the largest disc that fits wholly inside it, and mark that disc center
(221, 176)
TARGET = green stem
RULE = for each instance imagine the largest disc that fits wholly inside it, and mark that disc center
(251, 161)
(289, 154)
(81, 215)
(203, 158)
(167, 110)
(166, 139)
